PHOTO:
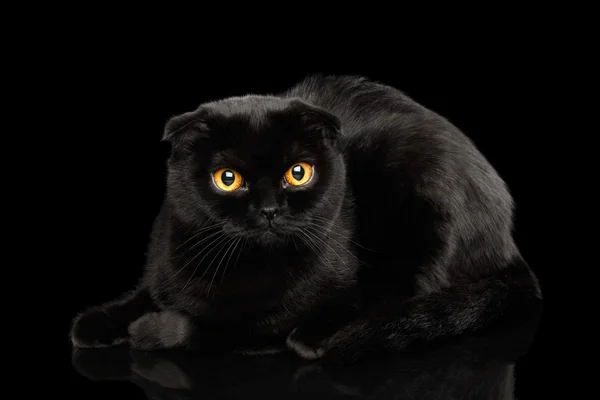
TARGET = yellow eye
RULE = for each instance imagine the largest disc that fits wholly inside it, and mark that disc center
(299, 174)
(227, 179)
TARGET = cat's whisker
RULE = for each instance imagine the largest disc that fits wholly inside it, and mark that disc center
(339, 244)
(218, 240)
(218, 246)
(240, 253)
(328, 222)
(317, 249)
(198, 253)
(338, 234)
(204, 239)
(196, 244)
(304, 238)
(195, 235)
(220, 262)
(331, 248)
(229, 259)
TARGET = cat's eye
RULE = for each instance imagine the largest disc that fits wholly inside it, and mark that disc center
(299, 174)
(228, 179)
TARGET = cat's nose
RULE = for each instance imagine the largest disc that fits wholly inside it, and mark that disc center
(269, 212)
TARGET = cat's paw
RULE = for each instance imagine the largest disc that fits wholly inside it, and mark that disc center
(304, 345)
(94, 328)
(350, 343)
(166, 329)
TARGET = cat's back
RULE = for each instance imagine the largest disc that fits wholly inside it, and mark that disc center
(360, 103)
(381, 120)
(384, 128)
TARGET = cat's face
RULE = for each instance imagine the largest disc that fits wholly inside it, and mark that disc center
(265, 169)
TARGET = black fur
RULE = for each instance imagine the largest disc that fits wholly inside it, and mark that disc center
(404, 234)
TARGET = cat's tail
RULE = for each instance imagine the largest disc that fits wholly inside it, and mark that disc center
(511, 296)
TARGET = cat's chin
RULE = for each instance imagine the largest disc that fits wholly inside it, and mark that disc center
(269, 236)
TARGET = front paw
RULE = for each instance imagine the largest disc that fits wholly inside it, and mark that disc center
(166, 329)
(94, 328)
(351, 343)
(304, 345)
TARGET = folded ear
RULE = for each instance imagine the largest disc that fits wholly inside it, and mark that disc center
(318, 120)
(185, 128)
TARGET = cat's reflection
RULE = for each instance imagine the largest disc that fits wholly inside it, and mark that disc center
(478, 368)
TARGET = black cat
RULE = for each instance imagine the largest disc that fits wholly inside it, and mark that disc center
(337, 219)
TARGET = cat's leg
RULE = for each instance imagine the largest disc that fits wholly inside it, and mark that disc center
(307, 341)
(171, 329)
(160, 330)
(309, 338)
(512, 293)
(106, 325)
(312, 340)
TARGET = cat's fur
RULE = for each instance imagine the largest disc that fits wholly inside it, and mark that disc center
(403, 235)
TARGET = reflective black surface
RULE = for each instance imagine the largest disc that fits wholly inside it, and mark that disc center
(480, 367)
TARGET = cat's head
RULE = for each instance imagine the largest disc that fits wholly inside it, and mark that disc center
(266, 169)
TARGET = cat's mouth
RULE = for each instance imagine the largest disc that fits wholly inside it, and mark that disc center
(268, 233)
(268, 230)
(262, 232)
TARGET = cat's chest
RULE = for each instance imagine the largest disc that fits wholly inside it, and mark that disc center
(260, 273)
(257, 292)
(245, 285)
(263, 302)
(249, 288)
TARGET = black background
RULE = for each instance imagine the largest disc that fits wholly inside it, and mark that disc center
(119, 98)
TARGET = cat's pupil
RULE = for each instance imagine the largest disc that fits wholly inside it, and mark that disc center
(228, 177)
(298, 172)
